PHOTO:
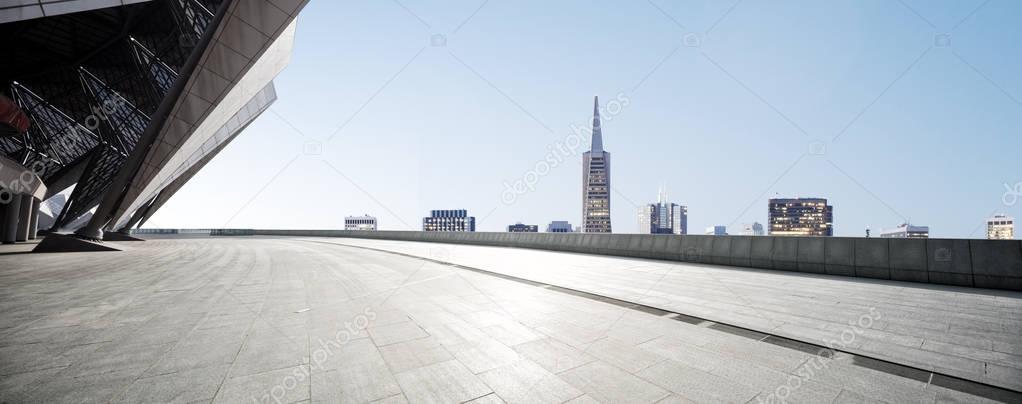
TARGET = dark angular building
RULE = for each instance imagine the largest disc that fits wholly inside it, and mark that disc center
(117, 104)
(449, 220)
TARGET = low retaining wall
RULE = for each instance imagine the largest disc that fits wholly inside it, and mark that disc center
(994, 264)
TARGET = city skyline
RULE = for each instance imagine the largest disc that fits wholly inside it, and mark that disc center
(663, 217)
(469, 114)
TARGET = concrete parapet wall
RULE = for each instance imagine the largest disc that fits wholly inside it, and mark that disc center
(812, 256)
(949, 262)
(872, 258)
(995, 264)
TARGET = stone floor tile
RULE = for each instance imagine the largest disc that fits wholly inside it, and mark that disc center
(412, 354)
(608, 384)
(444, 382)
(396, 332)
(526, 382)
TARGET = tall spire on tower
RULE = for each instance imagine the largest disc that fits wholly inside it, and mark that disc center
(597, 131)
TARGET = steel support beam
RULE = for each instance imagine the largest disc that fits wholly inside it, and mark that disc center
(33, 221)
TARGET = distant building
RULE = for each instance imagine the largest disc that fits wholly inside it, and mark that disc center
(718, 230)
(366, 222)
(751, 229)
(663, 217)
(1001, 227)
(801, 217)
(50, 209)
(522, 228)
(906, 230)
(596, 181)
(559, 226)
(449, 220)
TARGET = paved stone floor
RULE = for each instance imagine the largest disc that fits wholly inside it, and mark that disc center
(290, 320)
(970, 333)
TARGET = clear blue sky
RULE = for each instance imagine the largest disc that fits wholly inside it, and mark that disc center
(927, 133)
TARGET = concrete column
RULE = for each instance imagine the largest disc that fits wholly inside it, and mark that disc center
(33, 223)
(3, 219)
(24, 217)
(10, 227)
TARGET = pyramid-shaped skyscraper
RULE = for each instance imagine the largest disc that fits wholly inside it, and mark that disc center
(596, 181)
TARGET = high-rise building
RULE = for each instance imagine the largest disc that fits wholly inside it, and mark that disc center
(559, 226)
(522, 228)
(751, 229)
(365, 222)
(718, 230)
(801, 217)
(663, 217)
(906, 230)
(449, 220)
(1001, 227)
(596, 181)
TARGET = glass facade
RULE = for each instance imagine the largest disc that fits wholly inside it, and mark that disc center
(801, 217)
(449, 220)
(522, 228)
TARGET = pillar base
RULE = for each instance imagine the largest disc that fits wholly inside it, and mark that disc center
(70, 243)
(84, 233)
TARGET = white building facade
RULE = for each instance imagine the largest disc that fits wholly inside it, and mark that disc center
(362, 223)
(1001, 227)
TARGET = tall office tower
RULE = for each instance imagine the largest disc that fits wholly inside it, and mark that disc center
(1001, 227)
(906, 230)
(596, 181)
(522, 228)
(801, 217)
(559, 226)
(663, 217)
(679, 219)
(751, 229)
(449, 220)
(365, 222)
